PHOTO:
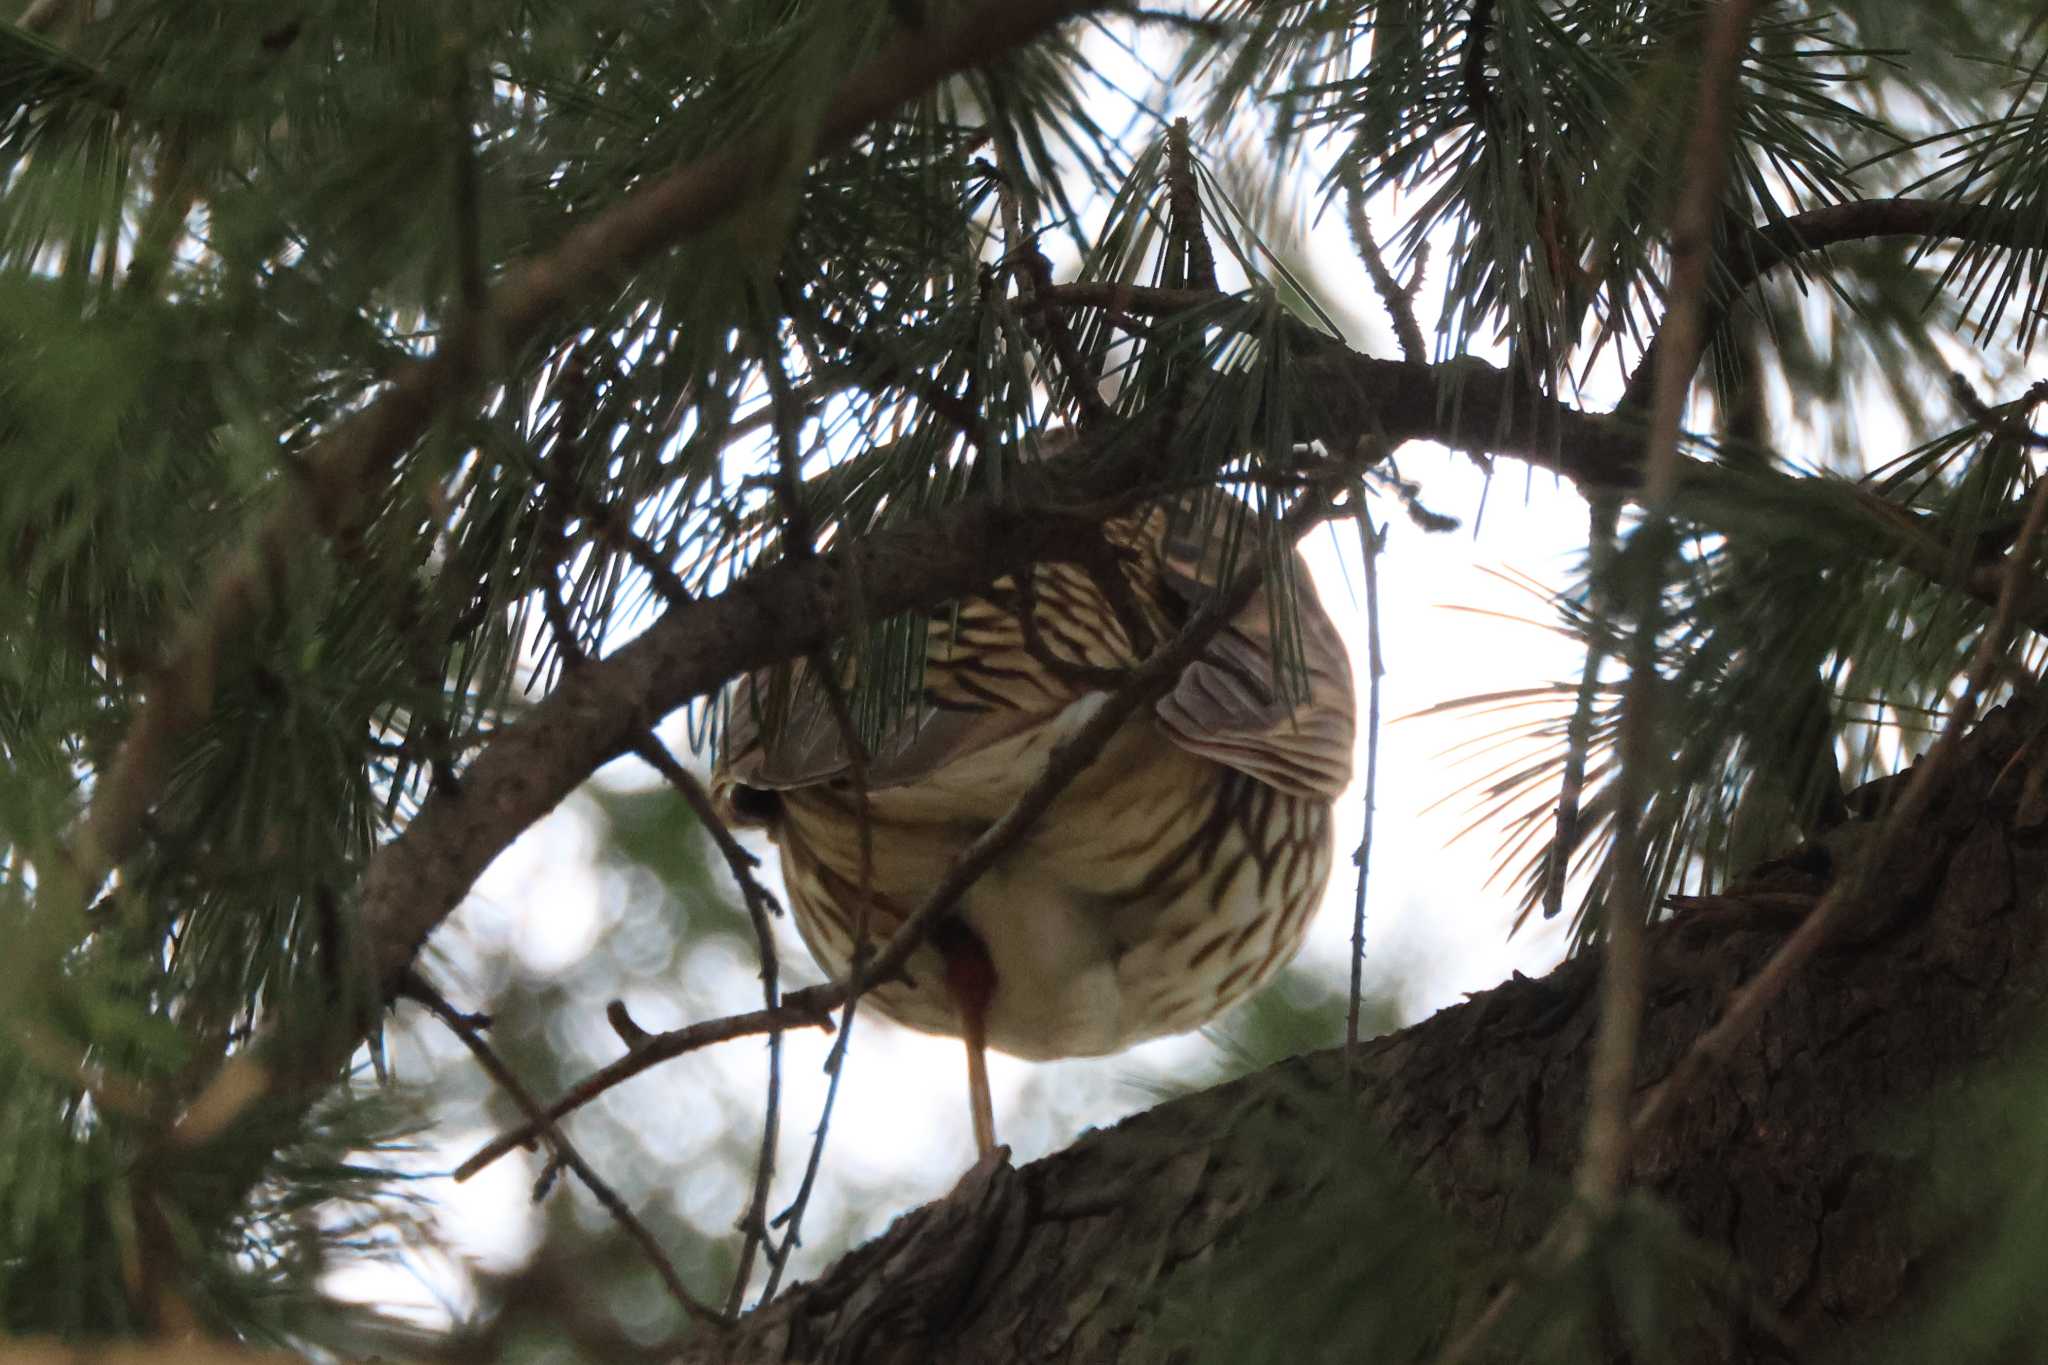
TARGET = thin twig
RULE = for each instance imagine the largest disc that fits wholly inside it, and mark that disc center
(760, 907)
(758, 898)
(808, 1008)
(1034, 271)
(1369, 542)
(465, 1027)
(1398, 300)
(1191, 261)
(791, 1219)
(798, 536)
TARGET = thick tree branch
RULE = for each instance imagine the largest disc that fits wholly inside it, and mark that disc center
(1270, 1196)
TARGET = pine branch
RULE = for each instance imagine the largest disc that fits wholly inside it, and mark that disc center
(1762, 250)
(1852, 887)
(790, 608)
(342, 470)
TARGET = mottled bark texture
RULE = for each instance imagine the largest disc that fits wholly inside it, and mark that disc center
(1279, 1196)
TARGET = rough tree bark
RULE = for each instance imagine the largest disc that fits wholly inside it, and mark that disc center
(1792, 1159)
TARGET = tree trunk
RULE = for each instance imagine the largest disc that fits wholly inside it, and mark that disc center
(1281, 1195)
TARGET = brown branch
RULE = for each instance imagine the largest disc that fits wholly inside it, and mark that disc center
(1141, 299)
(465, 1027)
(1762, 250)
(1034, 271)
(1398, 299)
(761, 907)
(1370, 542)
(1195, 265)
(808, 1008)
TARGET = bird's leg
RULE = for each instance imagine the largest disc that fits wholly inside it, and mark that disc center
(971, 977)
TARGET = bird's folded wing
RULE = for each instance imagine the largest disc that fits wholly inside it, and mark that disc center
(1285, 717)
(1289, 725)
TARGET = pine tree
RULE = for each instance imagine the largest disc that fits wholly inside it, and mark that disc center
(405, 409)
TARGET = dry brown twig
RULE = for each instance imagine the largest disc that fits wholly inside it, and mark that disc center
(1398, 298)
(800, 541)
(467, 1029)
(1369, 543)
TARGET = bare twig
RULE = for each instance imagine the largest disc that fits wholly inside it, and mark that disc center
(1369, 545)
(791, 1219)
(761, 906)
(1192, 263)
(809, 1008)
(465, 1027)
(1034, 271)
(759, 900)
(1398, 299)
(798, 537)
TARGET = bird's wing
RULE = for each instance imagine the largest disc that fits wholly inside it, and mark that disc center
(985, 683)
(807, 748)
(1232, 704)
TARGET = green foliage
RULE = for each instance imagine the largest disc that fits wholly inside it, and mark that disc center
(1984, 1206)
(225, 228)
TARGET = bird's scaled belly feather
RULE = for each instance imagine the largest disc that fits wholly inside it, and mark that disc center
(1158, 889)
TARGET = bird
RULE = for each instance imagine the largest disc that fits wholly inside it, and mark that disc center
(1175, 875)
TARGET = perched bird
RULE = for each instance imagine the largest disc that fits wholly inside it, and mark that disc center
(1173, 877)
